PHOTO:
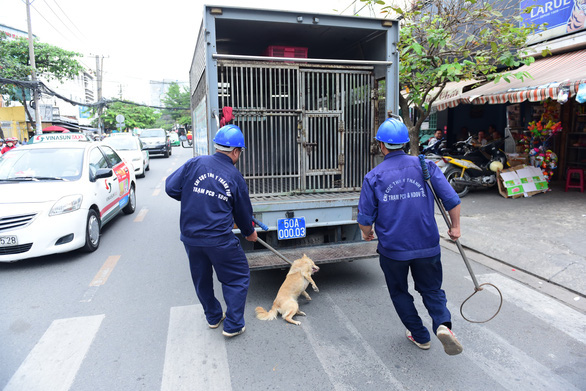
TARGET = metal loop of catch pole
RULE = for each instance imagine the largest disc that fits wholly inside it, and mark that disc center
(478, 289)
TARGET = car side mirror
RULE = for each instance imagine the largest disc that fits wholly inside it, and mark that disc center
(102, 173)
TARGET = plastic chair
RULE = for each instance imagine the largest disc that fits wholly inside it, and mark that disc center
(575, 185)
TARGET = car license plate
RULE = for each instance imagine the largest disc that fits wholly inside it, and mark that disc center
(291, 228)
(8, 241)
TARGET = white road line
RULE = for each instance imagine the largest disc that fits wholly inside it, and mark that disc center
(356, 354)
(56, 358)
(539, 305)
(195, 357)
(506, 364)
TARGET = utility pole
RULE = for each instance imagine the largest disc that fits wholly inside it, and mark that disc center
(99, 63)
(31, 52)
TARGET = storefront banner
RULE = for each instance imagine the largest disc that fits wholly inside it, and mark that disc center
(562, 17)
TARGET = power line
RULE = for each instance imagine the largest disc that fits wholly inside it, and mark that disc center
(68, 18)
(54, 13)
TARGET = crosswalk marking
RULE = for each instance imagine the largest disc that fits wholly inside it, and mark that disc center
(357, 354)
(56, 358)
(539, 305)
(507, 364)
(195, 357)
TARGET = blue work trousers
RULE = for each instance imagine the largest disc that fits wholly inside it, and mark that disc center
(233, 272)
(427, 275)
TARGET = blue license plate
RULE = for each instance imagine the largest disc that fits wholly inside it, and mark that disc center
(291, 228)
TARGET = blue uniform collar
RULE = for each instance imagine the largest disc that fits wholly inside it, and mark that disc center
(225, 157)
(391, 154)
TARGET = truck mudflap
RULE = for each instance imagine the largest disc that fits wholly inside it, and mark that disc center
(259, 260)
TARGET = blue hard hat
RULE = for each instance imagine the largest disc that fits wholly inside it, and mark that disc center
(392, 131)
(230, 136)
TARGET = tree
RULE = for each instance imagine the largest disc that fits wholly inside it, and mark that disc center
(135, 116)
(453, 40)
(52, 63)
(177, 97)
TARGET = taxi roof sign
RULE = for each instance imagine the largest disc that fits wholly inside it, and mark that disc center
(60, 137)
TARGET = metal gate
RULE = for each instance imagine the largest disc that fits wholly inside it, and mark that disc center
(307, 129)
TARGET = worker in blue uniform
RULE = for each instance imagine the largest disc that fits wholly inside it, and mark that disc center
(395, 199)
(213, 197)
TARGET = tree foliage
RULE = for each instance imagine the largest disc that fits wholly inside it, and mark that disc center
(51, 63)
(453, 40)
(177, 97)
(134, 116)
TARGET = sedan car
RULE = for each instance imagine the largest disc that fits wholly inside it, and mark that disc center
(156, 141)
(131, 148)
(174, 138)
(57, 193)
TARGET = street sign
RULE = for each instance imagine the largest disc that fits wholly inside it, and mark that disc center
(120, 118)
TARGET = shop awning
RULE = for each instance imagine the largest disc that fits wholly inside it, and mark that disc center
(451, 94)
(548, 74)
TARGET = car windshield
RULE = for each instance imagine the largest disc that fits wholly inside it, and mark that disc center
(122, 143)
(152, 133)
(41, 164)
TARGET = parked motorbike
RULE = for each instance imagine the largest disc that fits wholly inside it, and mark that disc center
(476, 168)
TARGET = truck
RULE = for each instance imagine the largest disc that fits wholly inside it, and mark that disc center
(309, 91)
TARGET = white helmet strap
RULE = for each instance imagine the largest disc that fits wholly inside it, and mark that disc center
(393, 146)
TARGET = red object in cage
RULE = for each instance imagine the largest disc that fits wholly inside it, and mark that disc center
(286, 51)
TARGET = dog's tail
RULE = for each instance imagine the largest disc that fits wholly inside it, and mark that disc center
(262, 314)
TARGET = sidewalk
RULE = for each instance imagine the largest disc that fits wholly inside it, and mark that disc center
(543, 235)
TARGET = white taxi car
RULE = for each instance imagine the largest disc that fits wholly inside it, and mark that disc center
(57, 192)
(130, 148)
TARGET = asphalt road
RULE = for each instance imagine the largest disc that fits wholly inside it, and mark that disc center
(126, 318)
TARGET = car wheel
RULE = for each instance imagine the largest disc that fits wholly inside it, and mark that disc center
(166, 154)
(92, 232)
(170, 151)
(148, 167)
(131, 206)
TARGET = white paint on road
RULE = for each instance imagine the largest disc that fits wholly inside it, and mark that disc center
(54, 361)
(542, 306)
(356, 356)
(195, 357)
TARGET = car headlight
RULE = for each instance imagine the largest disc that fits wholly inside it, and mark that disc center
(66, 204)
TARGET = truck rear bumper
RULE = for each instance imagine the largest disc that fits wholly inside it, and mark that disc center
(259, 260)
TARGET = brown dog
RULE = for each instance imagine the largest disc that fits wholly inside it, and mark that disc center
(298, 278)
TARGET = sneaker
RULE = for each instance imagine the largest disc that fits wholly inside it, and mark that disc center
(451, 345)
(424, 346)
(235, 333)
(215, 326)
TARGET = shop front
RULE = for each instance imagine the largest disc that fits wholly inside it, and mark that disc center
(540, 112)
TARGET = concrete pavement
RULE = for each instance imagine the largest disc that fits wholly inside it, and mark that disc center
(543, 236)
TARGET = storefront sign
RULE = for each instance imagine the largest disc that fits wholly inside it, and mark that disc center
(562, 17)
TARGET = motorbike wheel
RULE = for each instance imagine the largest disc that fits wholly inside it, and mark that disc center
(453, 173)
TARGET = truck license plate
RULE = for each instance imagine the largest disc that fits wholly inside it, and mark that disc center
(11, 241)
(291, 228)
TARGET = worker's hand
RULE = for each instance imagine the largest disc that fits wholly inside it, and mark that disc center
(368, 236)
(454, 233)
(252, 237)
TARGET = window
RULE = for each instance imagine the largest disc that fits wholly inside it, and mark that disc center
(112, 156)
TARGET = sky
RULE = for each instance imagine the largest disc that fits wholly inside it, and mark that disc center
(140, 40)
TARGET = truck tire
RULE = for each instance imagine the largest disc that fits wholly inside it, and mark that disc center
(455, 172)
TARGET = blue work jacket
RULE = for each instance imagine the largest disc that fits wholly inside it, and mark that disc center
(397, 200)
(213, 196)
